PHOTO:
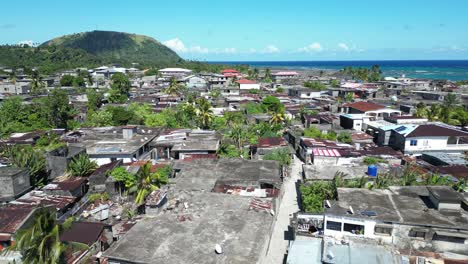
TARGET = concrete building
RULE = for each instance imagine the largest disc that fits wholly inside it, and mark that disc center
(245, 84)
(107, 144)
(418, 217)
(430, 137)
(174, 72)
(193, 81)
(14, 182)
(58, 159)
(304, 93)
(14, 88)
(196, 223)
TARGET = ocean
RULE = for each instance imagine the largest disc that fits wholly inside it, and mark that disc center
(429, 69)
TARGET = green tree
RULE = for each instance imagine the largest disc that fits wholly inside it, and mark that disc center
(40, 242)
(204, 112)
(315, 85)
(272, 104)
(55, 109)
(147, 182)
(433, 112)
(94, 99)
(27, 157)
(36, 81)
(277, 118)
(174, 87)
(267, 75)
(421, 110)
(345, 137)
(120, 88)
(335, 83)
(281, 155)
(81, 166)
(67, 80)
(461, 116)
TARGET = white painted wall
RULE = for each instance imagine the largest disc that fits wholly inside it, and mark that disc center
(249, 86)
(432, 143)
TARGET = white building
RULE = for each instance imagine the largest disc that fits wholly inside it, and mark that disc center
(174, 72)
(430, 137)
(245, 84)
(415, 217)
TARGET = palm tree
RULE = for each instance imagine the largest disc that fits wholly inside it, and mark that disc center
(27, 157)
(277, 118)
(147, 182)
(174, 87)
(421, 110)
(461, 116)
(267, 75)
(82, 166)
(40, 242)
(239, 134)
(36, 82)
(433, 112)
(450, 102)
(204, 112)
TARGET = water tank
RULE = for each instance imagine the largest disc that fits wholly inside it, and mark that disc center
(372, 170)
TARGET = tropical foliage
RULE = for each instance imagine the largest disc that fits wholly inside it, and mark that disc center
(82, 166)
(40, 242)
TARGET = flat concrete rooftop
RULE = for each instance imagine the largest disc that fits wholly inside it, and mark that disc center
(404, 205)
(189, 232)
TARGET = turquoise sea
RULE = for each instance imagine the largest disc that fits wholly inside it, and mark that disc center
(428, 69)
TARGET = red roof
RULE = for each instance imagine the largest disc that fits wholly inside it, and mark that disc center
(245, 81)
(271, 142)
(229, 71)
(326, 152)
(12, 217)
(364, 106)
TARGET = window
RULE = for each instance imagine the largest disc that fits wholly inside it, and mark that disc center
(447, 238)
(417, 233)
(383, 230)
(354, 229)
(331, 225)
(413, 142)
(452, 141)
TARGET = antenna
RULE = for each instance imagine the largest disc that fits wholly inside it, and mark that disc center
(351, 209)
(328, 203)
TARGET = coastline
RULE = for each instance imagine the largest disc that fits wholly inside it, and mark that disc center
(454, 70)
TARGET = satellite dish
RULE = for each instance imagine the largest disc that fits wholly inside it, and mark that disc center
(218, 249)
(328, 203)
(351, 209)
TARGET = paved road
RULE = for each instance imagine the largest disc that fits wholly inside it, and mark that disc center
(279, 240)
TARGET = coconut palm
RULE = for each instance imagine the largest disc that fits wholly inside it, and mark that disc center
(421, 110)
(433, 112)
(204, 112)
(277, 118)
(147, 182)
(36, 81)
(27, 157)
(174, 87)
(82, 166)
(461, 116)
(40, 242)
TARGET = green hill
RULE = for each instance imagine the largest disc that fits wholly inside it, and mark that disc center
(118, 47)
(90, 49)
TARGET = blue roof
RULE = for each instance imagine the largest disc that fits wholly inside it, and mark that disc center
(305, 252)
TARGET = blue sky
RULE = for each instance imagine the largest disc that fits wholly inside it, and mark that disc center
(259, 30)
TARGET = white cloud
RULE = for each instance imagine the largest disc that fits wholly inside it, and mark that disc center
(271, 49)
(26, 42)
(343, 46)
(198, 49)
(314, 47)
(252, 50)
(176, 45)
(229, 50)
